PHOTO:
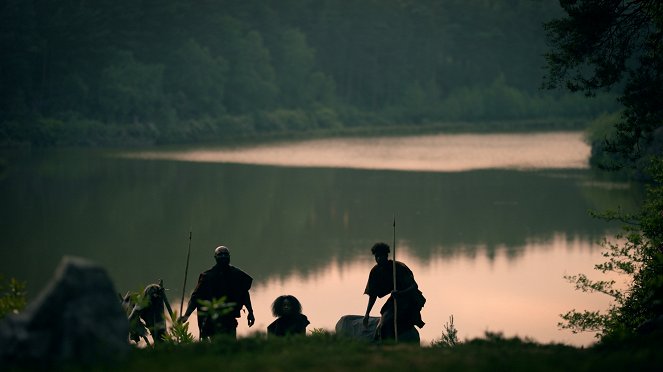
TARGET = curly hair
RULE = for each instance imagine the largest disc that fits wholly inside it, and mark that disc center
(379, 248)
(153, 289)
(277, 306)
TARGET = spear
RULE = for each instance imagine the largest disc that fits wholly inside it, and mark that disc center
(394, 276)
(186, 271)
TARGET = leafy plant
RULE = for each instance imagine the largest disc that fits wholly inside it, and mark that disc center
(215, 308)
(320, 332)
(137, 329)
(638, 254)
(623, 51)
(12, 296)
(178, 334)
(449, 335)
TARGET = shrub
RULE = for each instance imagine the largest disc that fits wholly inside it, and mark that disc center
(12, 296)
(637, 253)
(449, 335)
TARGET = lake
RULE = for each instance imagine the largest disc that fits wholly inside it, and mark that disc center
(488, 223)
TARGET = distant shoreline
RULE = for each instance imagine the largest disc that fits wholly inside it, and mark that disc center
(94, 134)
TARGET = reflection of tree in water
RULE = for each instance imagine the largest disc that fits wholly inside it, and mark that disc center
(134, 216)
(311, 216)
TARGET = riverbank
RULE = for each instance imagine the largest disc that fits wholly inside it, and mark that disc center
(240, 130)
(327, 352)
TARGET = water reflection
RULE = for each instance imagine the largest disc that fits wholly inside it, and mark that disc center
(489, 246)
(429, 153)
(483, 294)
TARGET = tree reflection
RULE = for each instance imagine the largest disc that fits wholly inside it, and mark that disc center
(133, 216)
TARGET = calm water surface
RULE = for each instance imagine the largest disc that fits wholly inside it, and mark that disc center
(489, 224)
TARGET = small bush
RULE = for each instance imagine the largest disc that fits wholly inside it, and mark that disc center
(12, 296)
(449, 335)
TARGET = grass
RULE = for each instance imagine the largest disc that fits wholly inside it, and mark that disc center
(327, 352)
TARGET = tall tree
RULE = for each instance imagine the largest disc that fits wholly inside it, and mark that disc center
(251, 84)
(18, 34)
(196, 81)
(613, 43)
(619, 43)
(131, 91)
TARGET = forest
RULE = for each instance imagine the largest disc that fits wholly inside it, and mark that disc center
(117, 72)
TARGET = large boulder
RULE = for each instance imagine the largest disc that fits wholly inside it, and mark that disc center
(76, 317)
(352, 326)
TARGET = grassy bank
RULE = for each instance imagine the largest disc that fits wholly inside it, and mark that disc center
(325, 352)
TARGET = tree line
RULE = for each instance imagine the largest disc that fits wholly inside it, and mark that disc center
(76, 72)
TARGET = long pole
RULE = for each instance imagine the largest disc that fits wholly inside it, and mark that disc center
(186, 271)
(394, 276)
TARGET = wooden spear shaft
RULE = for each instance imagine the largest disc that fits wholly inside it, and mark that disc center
(186, 271)
(394, 276)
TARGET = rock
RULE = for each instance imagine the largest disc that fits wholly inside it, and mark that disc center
(76, 317)
(352, 326)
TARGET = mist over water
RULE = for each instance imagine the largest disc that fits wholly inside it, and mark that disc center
(431, 153)
(488, 223)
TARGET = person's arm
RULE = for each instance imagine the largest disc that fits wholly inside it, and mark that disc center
(404, 272)
(189, 309)
(407, 290)
(371, 302)
(250, 318)
(193, 301)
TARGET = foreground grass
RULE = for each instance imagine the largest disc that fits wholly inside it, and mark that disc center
(331, 353)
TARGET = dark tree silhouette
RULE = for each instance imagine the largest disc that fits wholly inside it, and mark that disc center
(615, 43)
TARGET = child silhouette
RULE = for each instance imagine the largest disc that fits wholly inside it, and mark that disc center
(290, 320)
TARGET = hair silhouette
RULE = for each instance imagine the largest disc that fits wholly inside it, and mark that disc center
(379, 248)
(277, 306)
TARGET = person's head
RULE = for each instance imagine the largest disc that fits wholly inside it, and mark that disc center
(286, 305)
(381, 252)
(222, 255)
(153, 292)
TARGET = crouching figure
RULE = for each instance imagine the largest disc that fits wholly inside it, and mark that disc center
(150, 312)
(290, 320)
(409, 299)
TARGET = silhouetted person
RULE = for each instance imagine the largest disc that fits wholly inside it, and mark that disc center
(290, 320)
(222, 280)
(409, 298)
(151, 312)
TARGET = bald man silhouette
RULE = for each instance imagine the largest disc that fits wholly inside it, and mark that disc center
(222, 280)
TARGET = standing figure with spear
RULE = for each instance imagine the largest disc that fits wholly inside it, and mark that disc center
(402, 311)
(220, 295)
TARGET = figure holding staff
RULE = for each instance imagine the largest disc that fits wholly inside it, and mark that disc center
(402, 314)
